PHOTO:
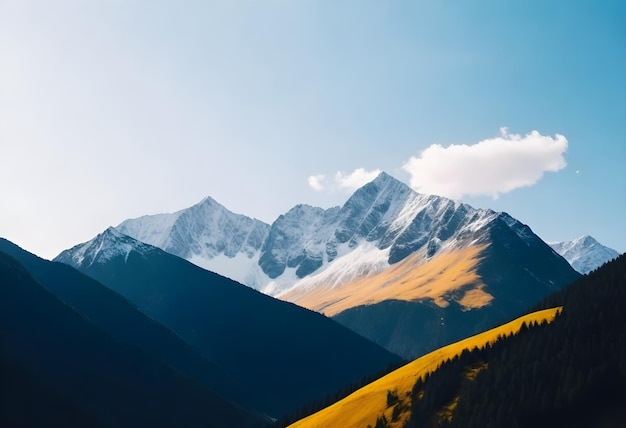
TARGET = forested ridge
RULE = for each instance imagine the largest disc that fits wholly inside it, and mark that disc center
(571, 372)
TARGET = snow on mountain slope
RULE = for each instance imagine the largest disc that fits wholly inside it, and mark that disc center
(151, 229)
(240, 268)
(381, 224)
(450, 276)
(105, 246)
(208, 235)
(298, 240)
(386, 264)
(585, 253)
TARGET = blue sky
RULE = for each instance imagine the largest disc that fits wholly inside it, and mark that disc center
(111, 109)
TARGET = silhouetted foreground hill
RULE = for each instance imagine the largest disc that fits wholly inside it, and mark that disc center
(287, 355)
(120, 319)
(569, 373)
(390, 397)
(59, 370)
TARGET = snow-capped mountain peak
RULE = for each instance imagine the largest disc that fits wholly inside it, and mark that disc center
(584, 253)
(209, 235)
(382, 223)
(205, 229)
(107, 245)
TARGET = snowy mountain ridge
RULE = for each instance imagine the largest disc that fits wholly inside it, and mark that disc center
(387, 263)
(379, 225)
(584, 253)
(385, 220)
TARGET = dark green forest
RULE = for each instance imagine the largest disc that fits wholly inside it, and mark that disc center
(571, 372)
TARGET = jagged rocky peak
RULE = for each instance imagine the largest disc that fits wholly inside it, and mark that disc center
(385, 214)
(393, 215)
(206, 229)
(297, 239)
(370, 210)
(105, 246)
(306, 237)
(210, 229)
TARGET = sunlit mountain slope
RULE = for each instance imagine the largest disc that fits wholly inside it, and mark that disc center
(451, 275)
(363, 407)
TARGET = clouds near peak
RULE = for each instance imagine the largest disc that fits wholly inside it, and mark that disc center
(347, 181)
(316, 182)
(356, 178)
(490, 167)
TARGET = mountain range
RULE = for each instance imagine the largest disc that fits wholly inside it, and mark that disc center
(119, 331)
(301, 247)
(380, 224)
(412, 262)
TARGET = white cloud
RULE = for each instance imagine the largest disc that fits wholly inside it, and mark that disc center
(489, 167)
(342, 181)
(317, 182)
(356, 178)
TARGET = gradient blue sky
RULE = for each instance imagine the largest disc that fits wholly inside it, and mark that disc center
(111, 109)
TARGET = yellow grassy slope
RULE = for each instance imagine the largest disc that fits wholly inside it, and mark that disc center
(410, 279)
(365, 405)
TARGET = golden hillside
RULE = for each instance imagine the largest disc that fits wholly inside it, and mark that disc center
(410, 279)
(365, 405)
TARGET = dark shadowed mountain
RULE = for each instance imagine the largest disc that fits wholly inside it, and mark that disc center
(287, 355)
(60, 370)
(120, 319)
